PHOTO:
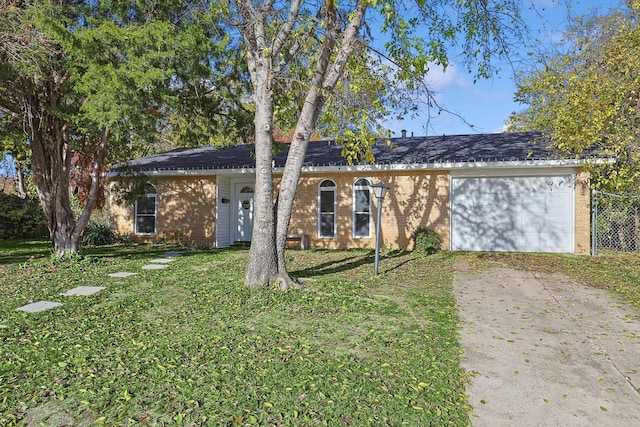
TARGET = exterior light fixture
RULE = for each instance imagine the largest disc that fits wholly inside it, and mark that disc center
(379, 190)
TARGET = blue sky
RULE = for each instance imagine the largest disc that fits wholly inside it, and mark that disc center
(487, 104)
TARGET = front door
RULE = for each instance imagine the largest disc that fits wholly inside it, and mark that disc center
(244, 209)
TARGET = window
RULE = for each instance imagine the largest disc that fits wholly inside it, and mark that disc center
(362, 208)
(327, 209)
(146, 212)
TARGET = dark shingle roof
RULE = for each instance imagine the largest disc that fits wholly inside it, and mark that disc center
(411, 150)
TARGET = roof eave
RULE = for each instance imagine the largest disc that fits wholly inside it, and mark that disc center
(384, 167)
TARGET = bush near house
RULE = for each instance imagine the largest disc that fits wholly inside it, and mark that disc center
(99, 233)
(426, 240)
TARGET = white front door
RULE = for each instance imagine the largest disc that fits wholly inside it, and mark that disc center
(244, 212)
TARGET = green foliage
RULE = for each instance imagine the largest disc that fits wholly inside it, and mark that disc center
(99, 233)
(426, 240)
(189, 346)
(21, 218)
(588, 97)
(103, 80)
(128, 186)
(386, 73)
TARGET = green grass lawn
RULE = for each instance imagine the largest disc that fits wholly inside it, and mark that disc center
(190, 345)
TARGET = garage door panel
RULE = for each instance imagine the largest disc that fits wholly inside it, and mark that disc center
(528, 214)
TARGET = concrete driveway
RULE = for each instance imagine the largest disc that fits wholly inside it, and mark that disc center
(542, 350)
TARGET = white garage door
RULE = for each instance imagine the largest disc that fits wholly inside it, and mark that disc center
(523, 214)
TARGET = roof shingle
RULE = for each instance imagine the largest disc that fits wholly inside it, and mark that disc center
(498, 147)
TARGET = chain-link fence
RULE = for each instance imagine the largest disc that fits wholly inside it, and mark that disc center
(615, 222)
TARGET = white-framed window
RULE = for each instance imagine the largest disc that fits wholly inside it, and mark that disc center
(327, 209)
(146, 211)
(362, 208)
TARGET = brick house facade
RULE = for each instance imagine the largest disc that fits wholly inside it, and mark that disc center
(204, 196)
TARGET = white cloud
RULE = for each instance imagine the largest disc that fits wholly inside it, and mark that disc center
(441, 80)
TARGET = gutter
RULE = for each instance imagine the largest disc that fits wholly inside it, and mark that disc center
(470, 165)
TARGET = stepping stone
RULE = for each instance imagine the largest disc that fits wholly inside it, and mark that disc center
(122, 274)
(84, 290)
(161, 260)
(171, 254)
(34, 307)
(154, 266)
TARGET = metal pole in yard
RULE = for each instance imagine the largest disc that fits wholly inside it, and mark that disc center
(594, 222)
(379, 190)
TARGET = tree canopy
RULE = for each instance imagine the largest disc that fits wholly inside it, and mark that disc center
(587, 95)
(102, 80)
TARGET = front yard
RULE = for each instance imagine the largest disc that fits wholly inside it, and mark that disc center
(190, 345)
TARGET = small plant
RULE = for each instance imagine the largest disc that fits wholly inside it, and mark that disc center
(99, 233)
(426, 240)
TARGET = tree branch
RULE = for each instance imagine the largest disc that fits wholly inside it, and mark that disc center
(96, 177)
(6, 107)
(282, 36)
(346, 47)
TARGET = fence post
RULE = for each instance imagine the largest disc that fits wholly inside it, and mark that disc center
(594, 222)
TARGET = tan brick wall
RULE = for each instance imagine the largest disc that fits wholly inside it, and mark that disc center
(583, 213)
(185, 212)
(121, 215)
(186, 209)
(419, 200)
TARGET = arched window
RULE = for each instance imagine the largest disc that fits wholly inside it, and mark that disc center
(362, 208)
(327, 209)
(146, 211)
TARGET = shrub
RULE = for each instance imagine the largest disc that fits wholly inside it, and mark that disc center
(98, 233)
(426, 240)
(21, 218)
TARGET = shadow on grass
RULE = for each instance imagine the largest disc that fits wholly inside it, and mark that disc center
(16, 252)
(141, 251)
(21, 251)
(350, 263)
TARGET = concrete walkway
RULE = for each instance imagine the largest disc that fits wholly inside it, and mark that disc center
(544, 351)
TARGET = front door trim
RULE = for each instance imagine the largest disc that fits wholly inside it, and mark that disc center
(237, 185)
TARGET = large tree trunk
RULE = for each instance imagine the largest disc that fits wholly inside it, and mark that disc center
(267, 255)
(325, 77)
(51, 162)
(262, 266)
(290, 178)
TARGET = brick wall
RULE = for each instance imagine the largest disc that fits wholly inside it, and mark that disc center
(185, 212)
(418, 200)
(583, 213)
(186, 209)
